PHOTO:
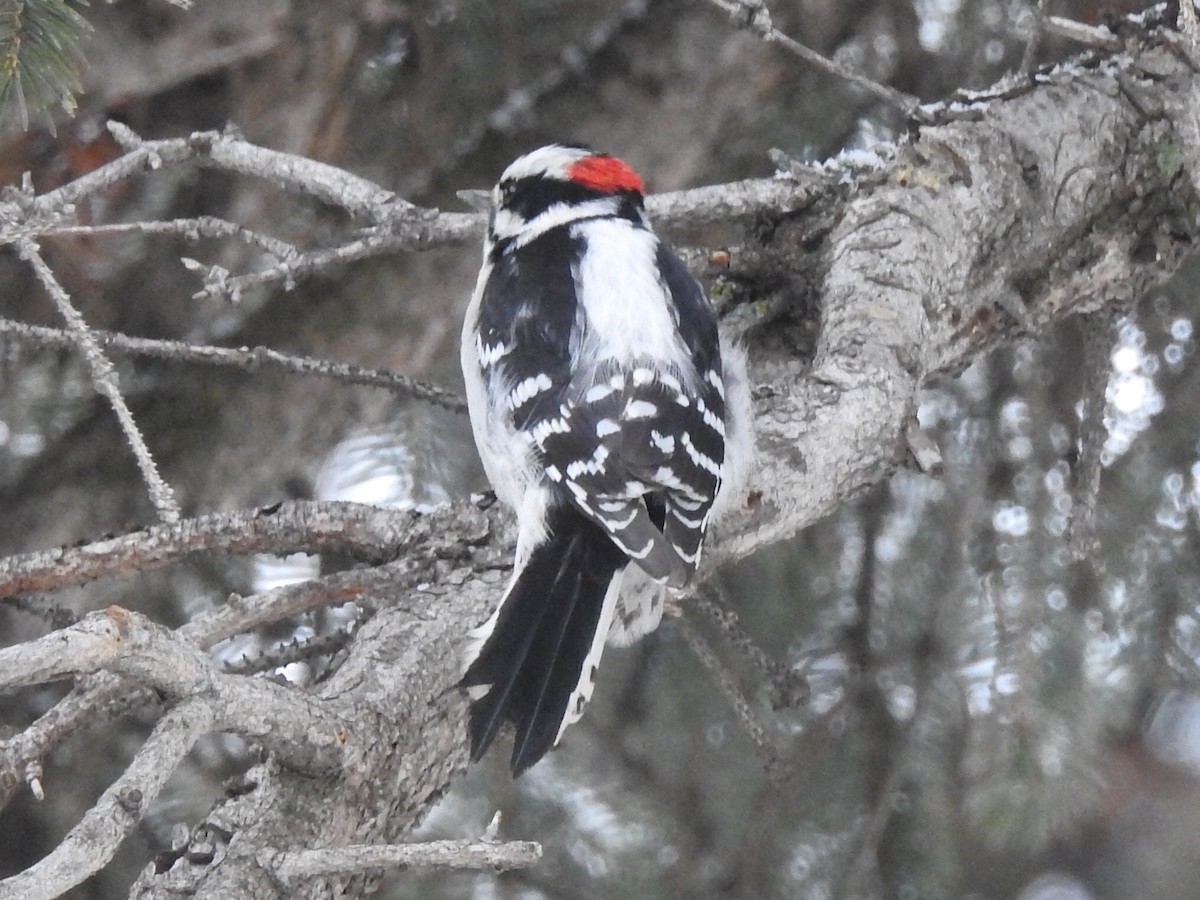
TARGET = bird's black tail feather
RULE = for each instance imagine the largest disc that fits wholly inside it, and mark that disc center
(537, 654)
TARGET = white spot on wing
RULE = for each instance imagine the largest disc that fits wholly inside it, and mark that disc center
(716, 381)
(639, 409)
(527, 390)
(640, 553)
(621, 524)
(665, 477)
(694, 524)
(665, 443)
(710, 418)
(593, 466)
(700, 459)
(598, 393)
(490, 354)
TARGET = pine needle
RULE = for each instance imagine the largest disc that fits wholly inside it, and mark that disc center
(39, 59)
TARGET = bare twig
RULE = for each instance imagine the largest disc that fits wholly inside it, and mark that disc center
(229, 151)
(398, 225)
(284, 654)
(91, 844)
(249, 359)
(104, 379)
(94, 699)
(776, 768)
(1083, 540)
(190, 229)
(1037, 29)
(787, 688)
(102, 696)
(754, 16)
(356, 528)
(298, 865)
(241, 614)
(1081, 33)
(217, 282)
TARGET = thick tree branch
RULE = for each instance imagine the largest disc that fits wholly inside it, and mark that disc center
(987, 226)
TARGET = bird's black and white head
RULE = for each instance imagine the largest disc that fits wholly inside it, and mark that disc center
(557, 185)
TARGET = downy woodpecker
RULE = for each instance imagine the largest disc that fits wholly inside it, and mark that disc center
(608, 413)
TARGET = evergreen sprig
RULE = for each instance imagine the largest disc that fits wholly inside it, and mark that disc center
(39, 58)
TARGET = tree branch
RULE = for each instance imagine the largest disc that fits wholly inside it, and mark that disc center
(754, 16)
(288, 722)
(366, 532)
(104, 379)
(91, 844)
(301, 865)
(250, 359)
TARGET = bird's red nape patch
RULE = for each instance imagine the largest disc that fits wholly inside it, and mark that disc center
(607, 174)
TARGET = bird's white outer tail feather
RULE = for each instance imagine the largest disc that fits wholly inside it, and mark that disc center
(587, 675)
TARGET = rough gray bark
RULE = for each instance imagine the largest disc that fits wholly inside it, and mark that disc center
(1001, 217)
